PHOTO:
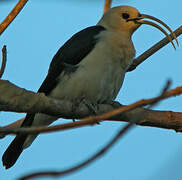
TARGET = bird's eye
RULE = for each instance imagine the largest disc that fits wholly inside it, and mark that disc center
(125, 15)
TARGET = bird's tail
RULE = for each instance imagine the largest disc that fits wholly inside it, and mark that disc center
(23, 141)
(13, 151)
(16, 147)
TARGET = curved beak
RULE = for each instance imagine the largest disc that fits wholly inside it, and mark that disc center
(139, 20)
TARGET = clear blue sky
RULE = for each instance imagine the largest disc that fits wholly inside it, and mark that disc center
(144, 153)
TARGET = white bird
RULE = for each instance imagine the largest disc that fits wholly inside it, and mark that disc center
(91, 65)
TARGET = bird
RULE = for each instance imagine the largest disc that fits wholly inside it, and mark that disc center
(90, 66)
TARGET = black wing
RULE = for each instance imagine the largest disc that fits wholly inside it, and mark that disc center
(71, 53)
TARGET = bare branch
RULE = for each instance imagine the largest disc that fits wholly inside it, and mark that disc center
(15, 124)
(153, 49)
(92, 119)
(12, 15)
(4, 60)
(20, 100)
(107, 5)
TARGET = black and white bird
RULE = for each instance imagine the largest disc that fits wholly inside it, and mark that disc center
(90, 65)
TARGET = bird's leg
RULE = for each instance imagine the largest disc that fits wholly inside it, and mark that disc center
(91, 106)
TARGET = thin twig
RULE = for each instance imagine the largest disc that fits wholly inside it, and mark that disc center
(16, 124)
(153, 49)
(107, 5)
(12, 15)
(92, 119)
(4, 60)
(98, 154)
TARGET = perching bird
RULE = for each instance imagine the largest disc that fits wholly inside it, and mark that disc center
(91, 65)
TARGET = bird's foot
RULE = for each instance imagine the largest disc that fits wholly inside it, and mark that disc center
(93, 107)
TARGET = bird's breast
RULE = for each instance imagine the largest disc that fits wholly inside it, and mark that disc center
(96, 82)
(99, 75)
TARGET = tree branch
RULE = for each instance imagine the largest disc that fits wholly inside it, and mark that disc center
(12, 15)
(60, 105)
(107, 5)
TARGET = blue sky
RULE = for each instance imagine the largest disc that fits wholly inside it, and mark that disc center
(144, 153)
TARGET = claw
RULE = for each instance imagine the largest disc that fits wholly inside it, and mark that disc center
(92, 107)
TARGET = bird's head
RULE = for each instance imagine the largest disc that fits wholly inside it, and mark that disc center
(128, 19)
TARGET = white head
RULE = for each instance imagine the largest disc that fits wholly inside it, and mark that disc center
(116, 18)
(128, 19)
